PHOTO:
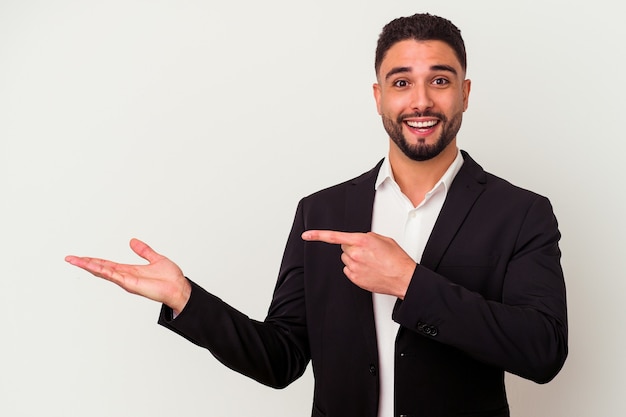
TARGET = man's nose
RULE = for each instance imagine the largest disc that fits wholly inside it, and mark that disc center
(421, 99)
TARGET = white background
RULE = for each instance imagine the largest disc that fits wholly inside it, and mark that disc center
(198, 125)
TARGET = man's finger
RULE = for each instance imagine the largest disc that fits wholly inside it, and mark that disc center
(99, 267)
(84, 262)
(332, 236)
(143, 250)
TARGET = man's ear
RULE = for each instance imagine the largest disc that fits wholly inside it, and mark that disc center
(467, 86)
(377, 94)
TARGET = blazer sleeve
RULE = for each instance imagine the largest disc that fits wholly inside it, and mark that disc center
(525, 331)
(275, 351)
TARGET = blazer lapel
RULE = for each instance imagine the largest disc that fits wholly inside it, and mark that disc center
(358, 218)
(464, 191)
(360, 201)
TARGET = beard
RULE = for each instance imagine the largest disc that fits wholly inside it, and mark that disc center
(422, 151)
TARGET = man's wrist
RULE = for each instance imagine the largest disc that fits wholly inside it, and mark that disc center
(181, 301)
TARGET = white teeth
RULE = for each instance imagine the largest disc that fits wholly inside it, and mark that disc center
(421, 125)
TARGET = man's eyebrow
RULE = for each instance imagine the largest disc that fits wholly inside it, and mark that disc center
(443, 67)
(397, 70)
(438, 67)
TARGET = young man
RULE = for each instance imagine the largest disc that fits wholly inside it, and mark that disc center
(412, 287)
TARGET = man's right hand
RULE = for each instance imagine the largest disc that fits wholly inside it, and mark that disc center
(161, 280)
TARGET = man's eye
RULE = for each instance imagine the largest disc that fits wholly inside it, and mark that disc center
(440, 81)
(401, 83)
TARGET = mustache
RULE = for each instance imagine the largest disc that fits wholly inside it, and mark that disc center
(426, 113)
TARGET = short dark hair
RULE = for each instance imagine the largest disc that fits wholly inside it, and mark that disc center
(420, 27)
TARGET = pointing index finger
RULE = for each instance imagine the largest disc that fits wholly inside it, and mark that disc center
(331, 236)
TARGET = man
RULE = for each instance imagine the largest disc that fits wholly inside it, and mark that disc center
(412, 287)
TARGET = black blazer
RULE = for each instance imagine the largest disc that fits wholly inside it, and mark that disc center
(488, 296)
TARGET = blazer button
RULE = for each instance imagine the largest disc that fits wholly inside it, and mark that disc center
(373, 369)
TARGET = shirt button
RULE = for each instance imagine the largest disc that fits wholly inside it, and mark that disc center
(373, 369)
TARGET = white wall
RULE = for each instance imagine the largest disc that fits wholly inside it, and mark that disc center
(198, 125)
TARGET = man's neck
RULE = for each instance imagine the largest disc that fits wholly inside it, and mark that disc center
(416, 178)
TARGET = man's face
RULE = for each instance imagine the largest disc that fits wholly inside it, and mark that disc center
(421, 95)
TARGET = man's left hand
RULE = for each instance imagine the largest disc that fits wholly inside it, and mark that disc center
(374, 262)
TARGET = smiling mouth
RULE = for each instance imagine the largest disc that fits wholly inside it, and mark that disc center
(423, 127)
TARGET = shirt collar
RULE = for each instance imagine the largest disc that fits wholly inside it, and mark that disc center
(385, 173)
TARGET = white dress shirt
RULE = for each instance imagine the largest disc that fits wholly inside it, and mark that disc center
(395, 216)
